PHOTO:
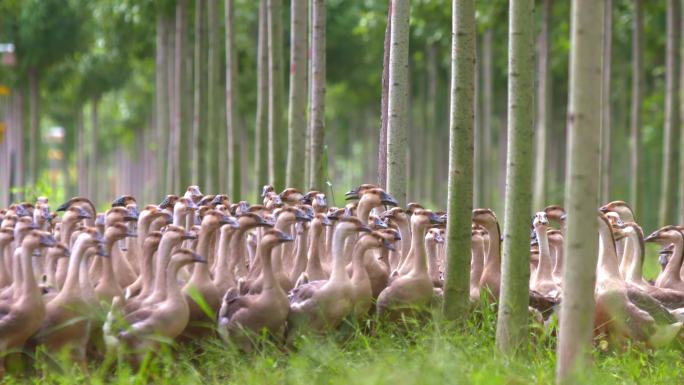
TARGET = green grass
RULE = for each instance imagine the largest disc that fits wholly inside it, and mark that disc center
(420, 353)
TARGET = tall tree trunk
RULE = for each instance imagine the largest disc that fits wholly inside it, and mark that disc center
(671, 138)
(384, 100)
(432, 121)
(317, 114)
(635, 117)
(297, 107)
(478, 163)
(232, 129)
(543, 116)
(200, 96)
(17, 179)
(511, 328)
(487, 105)
(276, 158)
(309, 93)
(212, 132)
(681, 119)
(172, 152)
(606, 111)
(397, 106)
(93, 176)
(34, 112)
(261, 125)
(181, 153)
(81, 164)
(162, 106)
(462, 119)
(581, 191)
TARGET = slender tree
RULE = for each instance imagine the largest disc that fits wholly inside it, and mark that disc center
(317, 113)
(543, 115)
(94, 176)
(581, 191)
(462, 120)
(261, 124)
(213, 132)
(511, 327)
(671, 137)
(398, 95)
(297, 107)
(180, 83)
(681, 119)
(432, 121)
(172, 152)
(200, 95)
(382, 140)
(487, 105)
(276, 158)
(232, 129)
(605, 103)
(80, 153)
(161, 100)
(635, 117)
(34, 121)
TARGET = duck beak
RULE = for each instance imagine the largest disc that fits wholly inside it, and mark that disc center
(61, 207)
(351, 194)
(102, 252)
(379, 223)
(563, 217)
(47, 240)
(604, 209)
(388, 245)
(663, 260)
(388, 200)
(439, 239)
(132, 215)
(326, 221)
(283, 237)
(188, 235)
(198, 258)
(265, 190)
(435, 219)
(83, 214)
(216, 201)
(165, 203)
(119, 202)
(653, 237)
(321, 200)
(301, 217)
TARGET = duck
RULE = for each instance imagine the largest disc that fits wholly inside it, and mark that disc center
(6, 237)
(320, 306)
(22, 316)
(362, 290)
(242, 317)
(477, 257)
(400, 218)
(432, 239)
(556, 246)
(490, 280)
(542, 278)
(670, 277)
(73, 214)
(413, 291)
(314, 268)
(108, 286)
(64, 326)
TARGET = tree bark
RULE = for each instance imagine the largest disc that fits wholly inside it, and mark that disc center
(34, 112)
(382, 142)
(432, 122)
(181, 153)
(581, 192)
(81, 154)
(298, 90)
(317, 114)
(462, 119)
(669, 187)
(276, 158)
(681, 119)
(487, 103)
(93, 170)
(309, 96)
(397, 106)
(172, 152)
(261, 124)
(162, 106)
(606, 121)
(543, 116)
(511, 328)
(213, 135)
(232, 128)
(635, 116)
(200, 96)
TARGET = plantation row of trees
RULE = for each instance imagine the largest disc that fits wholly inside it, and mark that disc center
(147, 88)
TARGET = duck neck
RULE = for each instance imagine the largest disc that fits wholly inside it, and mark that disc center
(405, 233)
(494, 250)
(607, 258)
(558, 267)
(339, 272)
(363, 210)
(178, 216)
(477, 261)
(269, 282)
(672, 269)
(28, 283)
(223, 269)
(200, 273)
(163, 257)
(418, 252)
(358, 262)
(544, 267)
(4, 275)
(107, 267)
(300, 257)
(636, 244)
(433, 268)
(146, 269)
(172, 289)
(83, 276)
(71, 283)
(313, 255)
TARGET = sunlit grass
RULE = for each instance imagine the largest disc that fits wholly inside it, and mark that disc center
(420, 352)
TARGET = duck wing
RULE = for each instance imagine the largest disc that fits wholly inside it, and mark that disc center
(652, 306)
(233, 302)
(305, 291)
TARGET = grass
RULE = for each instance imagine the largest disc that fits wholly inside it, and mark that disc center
(417, 353)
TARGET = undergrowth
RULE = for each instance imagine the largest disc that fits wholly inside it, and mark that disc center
(417, 352)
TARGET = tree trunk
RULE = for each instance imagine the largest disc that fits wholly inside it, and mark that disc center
(681, 119)
(297, 107)
(543, 116)
(93, 170)
(309, 92)
(172, 152)
(200, 96)
(17, 179)
(511, 328)
(34, 112)
(487, 103)
(478, 166)
(605, 103)
(317, 114)
(181, 153)
(397, 106)
(635, 117)
(669, 187)
(212, 132)
(462, 119)
(276, 158)
(432, 122)
(581, 192)
(81, 164)
(232, 129)
(261, 125)
(162, 106)
(382, 142)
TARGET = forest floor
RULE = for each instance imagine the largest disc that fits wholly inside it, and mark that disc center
(420, 353)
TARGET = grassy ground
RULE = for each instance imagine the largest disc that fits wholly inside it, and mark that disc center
(426, 353)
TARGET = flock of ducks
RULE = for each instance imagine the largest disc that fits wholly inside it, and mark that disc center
(129, 279)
